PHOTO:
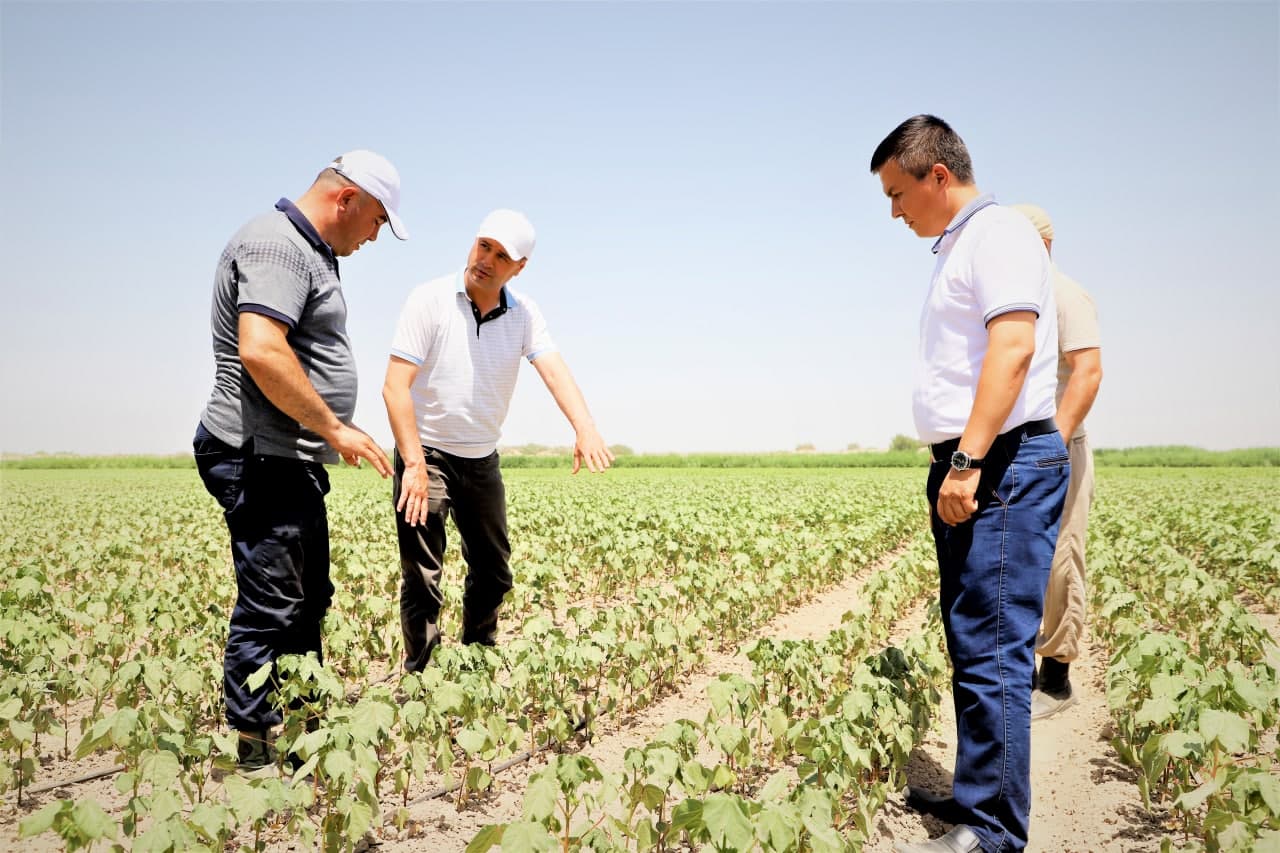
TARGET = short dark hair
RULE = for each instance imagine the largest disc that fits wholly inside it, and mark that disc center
(921, 141)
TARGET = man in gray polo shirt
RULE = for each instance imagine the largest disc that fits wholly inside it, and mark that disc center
(453, 368)
(283, 397)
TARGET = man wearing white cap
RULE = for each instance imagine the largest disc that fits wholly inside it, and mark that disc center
(283, 398)
(453, 367)
(1079, 375)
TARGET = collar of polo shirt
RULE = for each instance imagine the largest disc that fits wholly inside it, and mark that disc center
(966, 212)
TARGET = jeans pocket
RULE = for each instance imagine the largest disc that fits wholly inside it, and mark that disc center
(1053, 461)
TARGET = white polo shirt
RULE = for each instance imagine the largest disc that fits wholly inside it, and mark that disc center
(467, 368)
(990, 262)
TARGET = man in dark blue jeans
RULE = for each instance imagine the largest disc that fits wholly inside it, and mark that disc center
(984, 401)
(284, 393)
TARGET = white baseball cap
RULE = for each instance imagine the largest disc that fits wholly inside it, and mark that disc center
(511, 229)
(375, 175)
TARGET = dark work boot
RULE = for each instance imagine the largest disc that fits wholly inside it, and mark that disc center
(480, 628)
(927, 802)
(256, 758)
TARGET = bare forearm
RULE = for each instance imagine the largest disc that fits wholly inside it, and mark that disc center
(1078, 397)
(564, 390)
(404, 426)
(278, 374)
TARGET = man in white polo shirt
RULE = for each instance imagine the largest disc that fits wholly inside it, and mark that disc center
(984, 401)
(453, 368)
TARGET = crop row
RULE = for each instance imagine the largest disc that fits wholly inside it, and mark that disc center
(798, 757)
(700, 571)
(1192, 682)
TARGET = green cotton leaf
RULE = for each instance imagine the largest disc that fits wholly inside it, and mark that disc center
(776, 788)
(540, 797)
(370, 720)
(471, 740)
(694, 777)
(210, 820)
(1156, 711)
(727, 822)
(123, 723)
(687, 817)
(42, 821)
(486, 838)
(527, 837)
(164, 805)
(188, 681)
(258, 677)
(162, 838)
(1269, 790)
(449, 697)
(248, 803)
(22, 731)
(721, 694)
(723, 777)
(92, 821)
(653, 797)
(1258, 781)
(1231, 731)
(160, 768)
(338, 765)
(359, 818)
(1268, 841)
(1247, 689)
(10, 708)
(778, 827)
(663, 763)
(824, 839)
(1189, 801)
(1182, 744)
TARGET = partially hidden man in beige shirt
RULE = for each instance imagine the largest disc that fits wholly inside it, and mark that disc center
(1079, 375)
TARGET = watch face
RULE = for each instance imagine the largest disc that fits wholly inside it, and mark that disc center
(960, 460)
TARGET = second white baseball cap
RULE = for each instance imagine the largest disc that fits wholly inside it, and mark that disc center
(511, 229)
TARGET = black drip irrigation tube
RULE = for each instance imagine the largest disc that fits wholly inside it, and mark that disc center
(495, 770)
(431, 795)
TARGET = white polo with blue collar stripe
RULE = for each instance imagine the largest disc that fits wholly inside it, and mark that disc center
(990, 262)
(468, 365)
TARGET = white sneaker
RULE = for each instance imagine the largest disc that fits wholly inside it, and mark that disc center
(1045, 705)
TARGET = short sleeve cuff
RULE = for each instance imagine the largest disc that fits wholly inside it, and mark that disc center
(255, 308)
(399, 353)
(1009, 309)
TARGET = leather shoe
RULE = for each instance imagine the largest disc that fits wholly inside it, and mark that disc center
(927, 802)
(962, 839)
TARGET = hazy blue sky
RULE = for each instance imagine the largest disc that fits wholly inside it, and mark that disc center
(714, 258)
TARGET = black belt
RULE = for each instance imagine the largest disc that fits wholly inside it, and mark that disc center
(943, 449)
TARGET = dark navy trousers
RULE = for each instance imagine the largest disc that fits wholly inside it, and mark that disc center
(993, 570)
(275, 513)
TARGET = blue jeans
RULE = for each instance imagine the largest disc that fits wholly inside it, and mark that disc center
(472, 491)
(274, 509)
(993, 570)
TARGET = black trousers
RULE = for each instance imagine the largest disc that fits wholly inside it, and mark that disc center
(275, 513)
(472, 491)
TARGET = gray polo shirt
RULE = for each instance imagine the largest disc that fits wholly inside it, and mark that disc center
(277, 265)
